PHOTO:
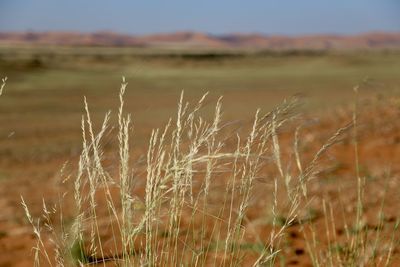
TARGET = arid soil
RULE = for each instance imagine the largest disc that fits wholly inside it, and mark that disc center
(378, 140)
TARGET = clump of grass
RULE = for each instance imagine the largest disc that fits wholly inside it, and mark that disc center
(184, 218)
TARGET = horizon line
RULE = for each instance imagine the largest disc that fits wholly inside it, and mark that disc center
(249, 33)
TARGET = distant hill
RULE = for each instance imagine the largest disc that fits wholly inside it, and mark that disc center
(380, 40)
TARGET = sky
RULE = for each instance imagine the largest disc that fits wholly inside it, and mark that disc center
(288, 17)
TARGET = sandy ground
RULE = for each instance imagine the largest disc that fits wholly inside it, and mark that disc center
(379, 157)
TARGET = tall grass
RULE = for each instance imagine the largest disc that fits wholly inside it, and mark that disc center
(200, 186)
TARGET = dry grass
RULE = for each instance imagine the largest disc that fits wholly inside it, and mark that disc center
(359, 247)
(199, 186)
(3, 84)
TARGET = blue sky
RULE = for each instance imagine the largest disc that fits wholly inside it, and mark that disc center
(291, 17)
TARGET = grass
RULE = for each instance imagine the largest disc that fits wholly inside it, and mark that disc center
(329, 71)
(185, 218)
(192, 153)
(3, 84)
(200, 195)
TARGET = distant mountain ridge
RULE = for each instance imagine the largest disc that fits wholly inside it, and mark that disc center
(377, 40)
